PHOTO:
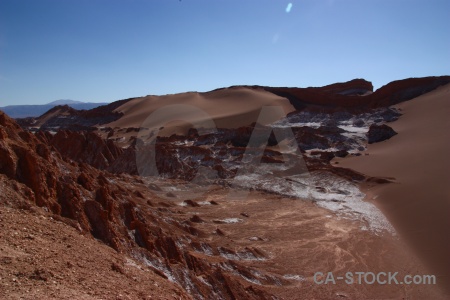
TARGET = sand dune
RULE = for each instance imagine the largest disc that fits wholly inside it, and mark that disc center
(418, 203)
(228, 108)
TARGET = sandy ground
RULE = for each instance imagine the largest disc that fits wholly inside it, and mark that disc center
(227, 108)
(418, 203)
(299, 238)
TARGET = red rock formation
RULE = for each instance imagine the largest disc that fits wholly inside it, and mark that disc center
(65, 117)
(83, 146)
(355, 87)
(115, 210)
(341, 96)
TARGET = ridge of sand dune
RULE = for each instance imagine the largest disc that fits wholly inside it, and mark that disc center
(228, 108)
(418, 203)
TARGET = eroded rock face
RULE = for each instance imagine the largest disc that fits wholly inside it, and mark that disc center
(118, 210)
(327, 134)
(379, 133)
(221, 153)
(65, 117)
(357, 94)
(83, 146)
(319, 137)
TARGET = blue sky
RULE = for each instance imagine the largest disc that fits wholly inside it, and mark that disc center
(106, 50)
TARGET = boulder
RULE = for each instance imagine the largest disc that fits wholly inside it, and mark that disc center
(379, 133)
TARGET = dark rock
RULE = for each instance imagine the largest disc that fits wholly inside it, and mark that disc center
(358, 123)
(341, 153)
(154, 187)
(378, 133)
(196, 219)
(191, 203)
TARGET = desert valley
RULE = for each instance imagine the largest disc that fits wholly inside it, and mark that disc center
(243, 192)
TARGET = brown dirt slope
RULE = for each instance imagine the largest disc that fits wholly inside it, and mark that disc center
(118, 210)
(418, 204)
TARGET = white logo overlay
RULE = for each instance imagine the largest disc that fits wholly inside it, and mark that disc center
(147, 148)
(369, 278)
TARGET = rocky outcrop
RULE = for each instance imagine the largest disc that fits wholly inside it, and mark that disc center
(356, 94)
(83, 146)
(355, 87)
(309, 138)
(66, 117)
(118, 210)
(219, 155)
(406, 89)
(379, 133)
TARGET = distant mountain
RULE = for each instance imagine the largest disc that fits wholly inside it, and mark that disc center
(64, 102)
(24, 111)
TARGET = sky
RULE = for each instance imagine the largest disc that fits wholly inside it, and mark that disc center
(106, 50)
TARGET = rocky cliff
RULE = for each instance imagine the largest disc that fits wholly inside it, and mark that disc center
(119, 210)
(357, 95)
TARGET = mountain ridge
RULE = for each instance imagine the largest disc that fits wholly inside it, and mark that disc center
(36, 110)
(65, 101)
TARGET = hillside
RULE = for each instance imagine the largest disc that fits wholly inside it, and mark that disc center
(250, 210)
(25, 111)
